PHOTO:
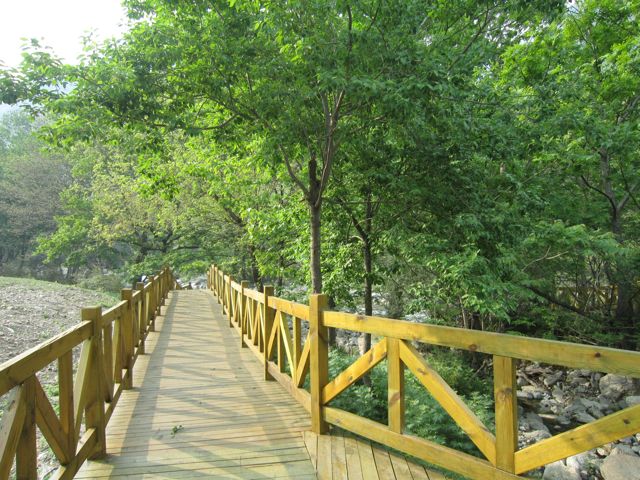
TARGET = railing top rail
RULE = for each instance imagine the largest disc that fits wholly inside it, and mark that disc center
(567, 354)
(254, 295)
(17, 369)
(111, 314)
(574, 355)
(298, 310)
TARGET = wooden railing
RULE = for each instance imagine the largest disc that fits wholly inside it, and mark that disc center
(271, 327)
(111, 341)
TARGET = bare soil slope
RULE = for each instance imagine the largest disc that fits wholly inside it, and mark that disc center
(31, 311)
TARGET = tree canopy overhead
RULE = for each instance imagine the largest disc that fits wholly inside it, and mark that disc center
(477, 160)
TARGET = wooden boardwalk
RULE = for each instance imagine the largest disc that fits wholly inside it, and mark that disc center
(201, 409)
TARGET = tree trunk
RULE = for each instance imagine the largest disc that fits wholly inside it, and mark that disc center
(316, 272)
(256, 278)
(365, 343)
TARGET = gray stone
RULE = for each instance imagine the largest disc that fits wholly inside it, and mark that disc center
(535, 421)
(616, 386)
(632, 400)
(582, 416)
(560, 471)
(535, 436)
(621, 467)
(552, 379)
(558, 394)
(621, 449)
(579, 461)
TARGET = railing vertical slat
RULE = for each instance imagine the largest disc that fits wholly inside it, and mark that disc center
(94, 409)
(243, 312)
(142, 317)
(395, 390)
(504, 378)
(297, 348)
(268, 315)
(65, 399)
(27, 452)
(128, 338)
(108, 361)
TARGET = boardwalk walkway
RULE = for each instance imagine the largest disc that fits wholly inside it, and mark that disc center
(201, 409)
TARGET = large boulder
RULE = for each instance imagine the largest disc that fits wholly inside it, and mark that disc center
(560, 471)
(621, 467)
(615, 386)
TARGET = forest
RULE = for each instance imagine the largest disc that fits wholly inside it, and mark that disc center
(474, 161)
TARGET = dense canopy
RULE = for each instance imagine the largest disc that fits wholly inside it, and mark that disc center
(476, 161)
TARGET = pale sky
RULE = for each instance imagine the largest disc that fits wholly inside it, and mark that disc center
(57, 23)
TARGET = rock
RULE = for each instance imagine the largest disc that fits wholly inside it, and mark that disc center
(558, 394)
(632, 400)
(578, 411)
(580, 461)
(522, 395)
(615, 386)
(560, 471)
(621, 467)
(534, 392)
(552, 379)
(535, 436)
(535, 421)
(621, 450)
(550, 405)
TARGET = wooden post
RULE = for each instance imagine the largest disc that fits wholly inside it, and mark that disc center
(142, 319)
(243, 312)
(94, 410)
(27, 452)
(504, 388)
(268, 315)
(319, 360)
(395, 388)
(129, 338)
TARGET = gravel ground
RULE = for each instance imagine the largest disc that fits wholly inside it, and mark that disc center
(31, 312)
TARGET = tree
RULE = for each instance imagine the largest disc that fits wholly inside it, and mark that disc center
(577, 80)
(30, 182)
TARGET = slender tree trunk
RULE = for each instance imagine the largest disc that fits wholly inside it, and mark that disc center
(256, 278)
(365, 343)
(624, 317)
(316, 272)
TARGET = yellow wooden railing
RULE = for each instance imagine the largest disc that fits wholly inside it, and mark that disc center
(111, 342)
(271, 327)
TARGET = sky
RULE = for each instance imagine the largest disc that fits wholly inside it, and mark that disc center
(57, 23)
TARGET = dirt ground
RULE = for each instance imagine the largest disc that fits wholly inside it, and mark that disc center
(31, 312)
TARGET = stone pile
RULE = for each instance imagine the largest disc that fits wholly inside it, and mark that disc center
(552, 401)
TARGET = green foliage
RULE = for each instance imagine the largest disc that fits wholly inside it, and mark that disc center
(476, 161)
(110, 283)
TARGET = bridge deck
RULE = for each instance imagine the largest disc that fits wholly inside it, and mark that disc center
(200, 409)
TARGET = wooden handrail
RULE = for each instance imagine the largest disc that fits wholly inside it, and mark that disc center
(271, 328)
(111, 340)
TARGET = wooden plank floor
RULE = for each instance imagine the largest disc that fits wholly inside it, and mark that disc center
(341, 456)
(201, 409)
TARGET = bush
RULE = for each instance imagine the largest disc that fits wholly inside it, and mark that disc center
(110, 283)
